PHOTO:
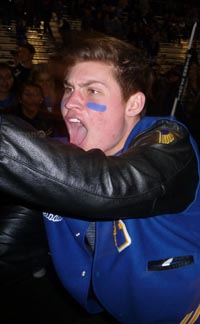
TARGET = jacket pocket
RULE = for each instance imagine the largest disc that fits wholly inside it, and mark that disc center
(170, 263)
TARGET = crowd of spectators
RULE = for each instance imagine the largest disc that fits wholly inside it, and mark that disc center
(139, 21)
(30, 91)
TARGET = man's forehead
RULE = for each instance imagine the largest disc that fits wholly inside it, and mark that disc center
(104, 66)
(90, 72)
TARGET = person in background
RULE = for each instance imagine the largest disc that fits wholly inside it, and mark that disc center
(46, 9)
(8, 98)
(42, 76)
(121, 200)
(65, 32)
(24, 62)
(56, 68)
(31, 108)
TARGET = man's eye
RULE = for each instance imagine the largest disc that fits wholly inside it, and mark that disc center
(92, 91)
(68, 89)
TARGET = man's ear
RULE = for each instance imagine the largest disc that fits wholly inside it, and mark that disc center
(135, 104)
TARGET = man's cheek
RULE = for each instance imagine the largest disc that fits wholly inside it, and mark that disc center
(96, 107)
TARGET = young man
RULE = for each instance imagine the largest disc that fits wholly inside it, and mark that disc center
(121, 200)
(24, 62)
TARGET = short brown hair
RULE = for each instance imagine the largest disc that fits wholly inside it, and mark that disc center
(130, 67)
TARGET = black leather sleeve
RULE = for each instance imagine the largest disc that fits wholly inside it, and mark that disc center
(23, 242)
(149, 179)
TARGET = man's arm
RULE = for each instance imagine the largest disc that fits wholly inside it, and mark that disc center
(149, 179)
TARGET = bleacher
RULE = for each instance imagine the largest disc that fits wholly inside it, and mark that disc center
(44, 45)
(170, 53)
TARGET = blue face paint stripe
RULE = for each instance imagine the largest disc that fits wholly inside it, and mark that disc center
(96, 107)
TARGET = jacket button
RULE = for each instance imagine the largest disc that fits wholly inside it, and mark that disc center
(83, 273)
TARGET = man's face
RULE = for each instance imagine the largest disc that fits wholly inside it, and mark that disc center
(31, 99)
(24, 55)
(45, 80)
(6, 81)
(93, 108)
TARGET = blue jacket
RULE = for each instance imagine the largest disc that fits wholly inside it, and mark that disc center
(143, 270)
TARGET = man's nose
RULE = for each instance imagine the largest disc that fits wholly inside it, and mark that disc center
(75, 101)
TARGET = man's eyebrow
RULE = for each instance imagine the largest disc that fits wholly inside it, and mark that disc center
(90, 82)
(86, 83)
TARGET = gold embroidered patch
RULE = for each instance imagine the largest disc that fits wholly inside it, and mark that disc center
(165, 137)
(121, 236)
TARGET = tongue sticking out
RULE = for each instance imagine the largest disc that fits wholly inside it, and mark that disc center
(77, 134)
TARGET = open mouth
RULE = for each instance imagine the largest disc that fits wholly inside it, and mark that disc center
(77, 131)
